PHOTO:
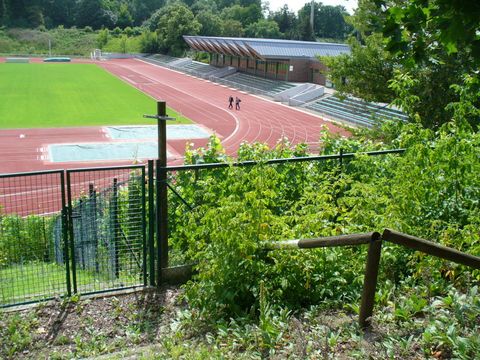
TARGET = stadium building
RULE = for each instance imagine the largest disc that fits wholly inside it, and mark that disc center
(286, 60)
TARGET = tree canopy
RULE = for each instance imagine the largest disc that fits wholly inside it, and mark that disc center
(218, 17)
(415, 55)
(174, 21)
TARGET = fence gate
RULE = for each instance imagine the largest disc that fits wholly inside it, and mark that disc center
(106, 229)
(30, 209)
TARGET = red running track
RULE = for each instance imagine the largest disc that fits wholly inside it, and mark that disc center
(206, 103)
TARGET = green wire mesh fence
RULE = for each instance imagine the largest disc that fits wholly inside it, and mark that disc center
(30, 203)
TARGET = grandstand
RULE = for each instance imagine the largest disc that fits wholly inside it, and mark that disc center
(285, 70)
(275, 59)
(270, 87)
(355, 111)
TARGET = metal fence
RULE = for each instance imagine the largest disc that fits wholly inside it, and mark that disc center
(28, 270)
(79, 231)
(98, 229)
(107, 228)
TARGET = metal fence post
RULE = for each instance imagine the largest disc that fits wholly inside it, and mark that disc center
(71, 240)
(370, 281)
(115, 224)
(151, 223)
(162, 201)
(92, 207)
(144, 229)
(65, 228)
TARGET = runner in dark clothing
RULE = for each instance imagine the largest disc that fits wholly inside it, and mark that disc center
(230, 100)
(237, 103)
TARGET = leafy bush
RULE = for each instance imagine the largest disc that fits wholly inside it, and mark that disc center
(123, 45)
(25, 238)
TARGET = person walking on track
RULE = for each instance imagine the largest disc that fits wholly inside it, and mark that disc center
(230, 100)
(237, 103)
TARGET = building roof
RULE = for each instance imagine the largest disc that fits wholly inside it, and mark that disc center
(265, 48)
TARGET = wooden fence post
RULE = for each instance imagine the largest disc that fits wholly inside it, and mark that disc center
(370, 281)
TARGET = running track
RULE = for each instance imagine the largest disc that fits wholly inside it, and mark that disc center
(206, 103)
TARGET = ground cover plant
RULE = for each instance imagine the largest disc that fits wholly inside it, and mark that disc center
(60, 95)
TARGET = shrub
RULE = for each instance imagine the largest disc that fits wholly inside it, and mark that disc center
(26, 238)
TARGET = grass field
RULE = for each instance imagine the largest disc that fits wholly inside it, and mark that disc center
(63, 95)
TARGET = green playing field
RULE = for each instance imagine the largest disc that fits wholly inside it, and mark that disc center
(60, 95)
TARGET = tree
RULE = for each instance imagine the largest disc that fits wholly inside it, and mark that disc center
(60, 12)
(232, 28)
(16, 8)
(264, 29)
(365, 72)
(438, 45)
(102, 38)
(124, 17)
(124, 44)
(174, 21)
(305, 30)
(439, 25)
(212, 24)
(367, 19)
(3, 13)
(143, 9)
(246, 15)
(149, 42)
(424, 79)
(329, 21)
(93, 13)
(286, 19)
(204, 5)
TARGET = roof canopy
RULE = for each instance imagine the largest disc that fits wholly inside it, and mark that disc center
(265, 48)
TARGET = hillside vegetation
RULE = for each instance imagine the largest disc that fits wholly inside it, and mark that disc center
(248, 303)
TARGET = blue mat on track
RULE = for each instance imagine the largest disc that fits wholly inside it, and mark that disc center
(103, 151)
(174, 132)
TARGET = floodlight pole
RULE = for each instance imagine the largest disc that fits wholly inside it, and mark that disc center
(161, 188)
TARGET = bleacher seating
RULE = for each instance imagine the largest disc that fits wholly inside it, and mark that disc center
(237, 80)
(269, 86)
(195, 66)
(356, 111)
(164, 58)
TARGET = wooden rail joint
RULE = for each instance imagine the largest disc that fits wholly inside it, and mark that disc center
(330, 241)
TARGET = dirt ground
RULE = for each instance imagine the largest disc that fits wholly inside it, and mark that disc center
(78, 328)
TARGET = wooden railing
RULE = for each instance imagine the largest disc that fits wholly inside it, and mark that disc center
(374, 241)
